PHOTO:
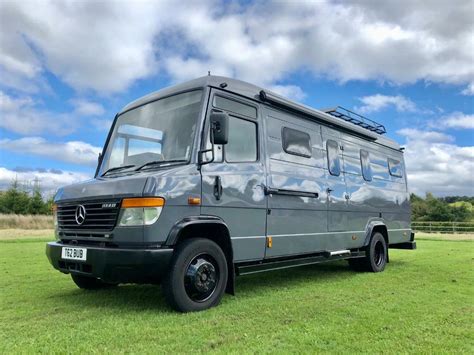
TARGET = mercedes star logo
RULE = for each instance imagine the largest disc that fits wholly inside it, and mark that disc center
(80, 214)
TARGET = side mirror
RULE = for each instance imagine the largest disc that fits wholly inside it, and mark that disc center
(219, 127)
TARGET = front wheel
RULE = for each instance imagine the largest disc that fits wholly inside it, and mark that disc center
(376, 256)
(197, 276)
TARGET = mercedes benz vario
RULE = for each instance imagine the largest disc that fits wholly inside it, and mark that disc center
(215, 178)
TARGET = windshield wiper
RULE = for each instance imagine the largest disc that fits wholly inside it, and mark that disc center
(118, 168)
(160, 162)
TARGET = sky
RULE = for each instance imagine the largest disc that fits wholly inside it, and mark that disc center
(67, 67)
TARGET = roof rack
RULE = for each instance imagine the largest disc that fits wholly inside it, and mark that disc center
(354, 118)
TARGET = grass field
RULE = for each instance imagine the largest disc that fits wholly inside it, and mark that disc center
(423, 302)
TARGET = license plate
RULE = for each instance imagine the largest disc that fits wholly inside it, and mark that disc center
(74, 253)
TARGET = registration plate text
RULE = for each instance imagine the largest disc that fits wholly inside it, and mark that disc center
(74, 253)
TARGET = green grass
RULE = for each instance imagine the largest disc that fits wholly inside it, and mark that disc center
(423, 302)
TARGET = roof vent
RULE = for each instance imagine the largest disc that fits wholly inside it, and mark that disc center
(354, 118)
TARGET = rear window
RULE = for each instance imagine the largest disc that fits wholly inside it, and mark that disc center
(365, 165)
(334, 164)
(395, 167)
(296, 142)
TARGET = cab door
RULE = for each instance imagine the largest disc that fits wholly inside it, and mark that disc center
(233, 184)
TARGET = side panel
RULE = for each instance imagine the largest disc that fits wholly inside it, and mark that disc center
(384, 197)
(242, 205)
(297, 224)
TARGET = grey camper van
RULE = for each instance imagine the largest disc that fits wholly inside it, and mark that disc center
(214, 178)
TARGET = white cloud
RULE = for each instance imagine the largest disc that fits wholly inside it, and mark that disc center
(435, 164)
(291, 91)
(87, 108)
(428, 136)
(379, 102)
(49, 180)
(457, 120)
(101, 45)
(25, 116)
(454, 120)
(469, 90)
(75, 152)
(107, 46)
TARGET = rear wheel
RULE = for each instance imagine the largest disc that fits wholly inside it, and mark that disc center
(89, 283)
(375, 258)
(197, 277)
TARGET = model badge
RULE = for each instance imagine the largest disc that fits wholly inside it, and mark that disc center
(80, 214)
(109, 205)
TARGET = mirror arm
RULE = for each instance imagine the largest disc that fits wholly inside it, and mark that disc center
(202, 152)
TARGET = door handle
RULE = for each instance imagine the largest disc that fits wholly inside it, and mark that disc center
(217, 188)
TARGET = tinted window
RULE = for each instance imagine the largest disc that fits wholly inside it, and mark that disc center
(394, 167)
(242, 145)
(296, 142)
(365, 165)
(234, 106)
(334, 164)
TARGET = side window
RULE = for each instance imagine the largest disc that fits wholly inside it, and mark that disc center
(242, 144)
(334, 164)
(395, 168)
(365, 165)
(296, 142)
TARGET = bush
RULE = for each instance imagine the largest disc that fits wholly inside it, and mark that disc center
(438, 209)
(19, 202)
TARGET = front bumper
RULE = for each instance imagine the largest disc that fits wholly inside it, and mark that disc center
(114, 265)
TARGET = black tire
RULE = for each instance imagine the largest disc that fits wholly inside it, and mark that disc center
(376, 256)
(197, 276)
(89, 283)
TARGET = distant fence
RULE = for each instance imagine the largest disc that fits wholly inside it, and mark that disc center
(443, 227)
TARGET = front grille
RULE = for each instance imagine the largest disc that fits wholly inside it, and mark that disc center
(99, 215)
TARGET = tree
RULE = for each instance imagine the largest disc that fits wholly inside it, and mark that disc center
(14, 200)
(36, 204)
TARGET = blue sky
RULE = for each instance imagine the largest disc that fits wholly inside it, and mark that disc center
(67, 67)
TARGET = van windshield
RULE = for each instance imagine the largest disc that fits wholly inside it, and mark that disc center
(159, 131)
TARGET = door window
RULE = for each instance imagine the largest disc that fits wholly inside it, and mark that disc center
(242, 144)
(234, 106)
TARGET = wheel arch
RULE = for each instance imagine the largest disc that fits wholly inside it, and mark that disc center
(209, 227)
(377, 226)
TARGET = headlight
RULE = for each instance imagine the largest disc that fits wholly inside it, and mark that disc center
(141, 211)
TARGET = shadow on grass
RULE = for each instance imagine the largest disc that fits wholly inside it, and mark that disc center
(138, 298)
